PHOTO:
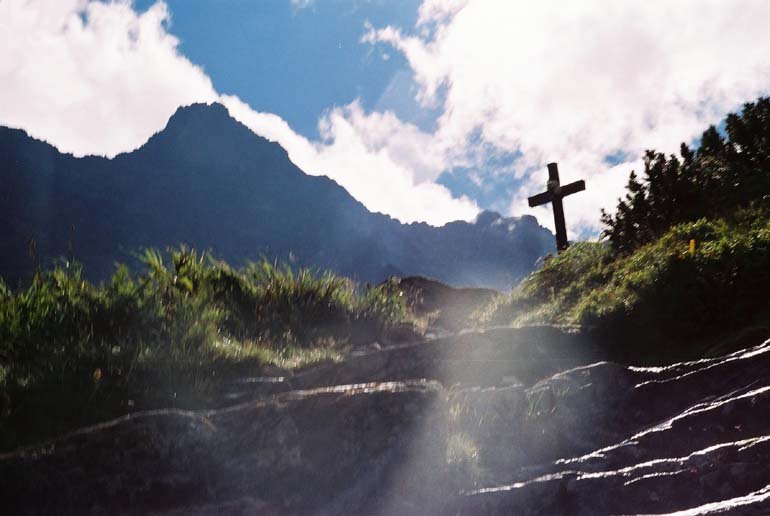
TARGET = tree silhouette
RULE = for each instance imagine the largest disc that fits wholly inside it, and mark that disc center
(724, 174)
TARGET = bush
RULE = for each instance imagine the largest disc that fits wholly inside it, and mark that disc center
(660, 293)
(550, 294)
(271, 303)
(73, 353)
(723, 175)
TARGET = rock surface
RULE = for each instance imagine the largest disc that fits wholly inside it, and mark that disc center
(443, 307)
(502, 422)
(691, 437)
(338, 450)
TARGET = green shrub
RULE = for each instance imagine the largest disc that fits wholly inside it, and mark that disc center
(267, 302)
(723, 175)
(550, 294)
(73, 352)
(661, 290)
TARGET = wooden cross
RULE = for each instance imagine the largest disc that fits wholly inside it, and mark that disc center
(554, 194)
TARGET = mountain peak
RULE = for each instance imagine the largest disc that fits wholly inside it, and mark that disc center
(201, 132)
(487, 218)
(199, 112)
(208, 118)
(209, 181)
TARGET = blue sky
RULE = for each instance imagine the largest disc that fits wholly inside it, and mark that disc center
(298, 62)
(426, 110)
(275, 49)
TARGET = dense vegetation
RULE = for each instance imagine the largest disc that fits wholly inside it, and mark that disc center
(661, 301)
(179, 334)
(652, 296)
(721, 176)
(185, 329)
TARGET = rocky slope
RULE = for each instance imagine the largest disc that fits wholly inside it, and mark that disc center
(208, 181)
(443, 308)
(501, 422)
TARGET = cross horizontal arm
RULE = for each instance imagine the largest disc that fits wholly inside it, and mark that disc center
(539, 199)
(577, 186)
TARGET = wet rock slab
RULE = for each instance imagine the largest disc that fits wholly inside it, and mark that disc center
(502, 422)
(475, 358)
(335, 450)
(692, 437)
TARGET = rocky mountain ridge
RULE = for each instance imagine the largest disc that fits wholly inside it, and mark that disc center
(209, 182)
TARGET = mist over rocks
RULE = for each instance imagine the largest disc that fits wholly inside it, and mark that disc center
(209, 182)
(441, 437)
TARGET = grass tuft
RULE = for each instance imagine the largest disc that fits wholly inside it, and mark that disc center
(659, 295)
(74, 353)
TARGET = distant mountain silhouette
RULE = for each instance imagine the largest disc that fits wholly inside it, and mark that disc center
(208, 181)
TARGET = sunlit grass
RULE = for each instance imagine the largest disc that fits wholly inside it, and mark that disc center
(662, 288)
(462, 460)
(291, 357)
(73, 352)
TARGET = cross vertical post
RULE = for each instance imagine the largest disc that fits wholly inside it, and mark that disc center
(554, 194)
(558, 208)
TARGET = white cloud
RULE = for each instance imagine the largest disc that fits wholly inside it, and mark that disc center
(567, 82)
(89, 77)
(439, 10)
(575, 82)
(301, 4)
(100, 78)
(378, 159)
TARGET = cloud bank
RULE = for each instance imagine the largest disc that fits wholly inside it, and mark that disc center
(89, 77)
(573, 82)
(576, 82)
(100, 78)
(378, 159)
